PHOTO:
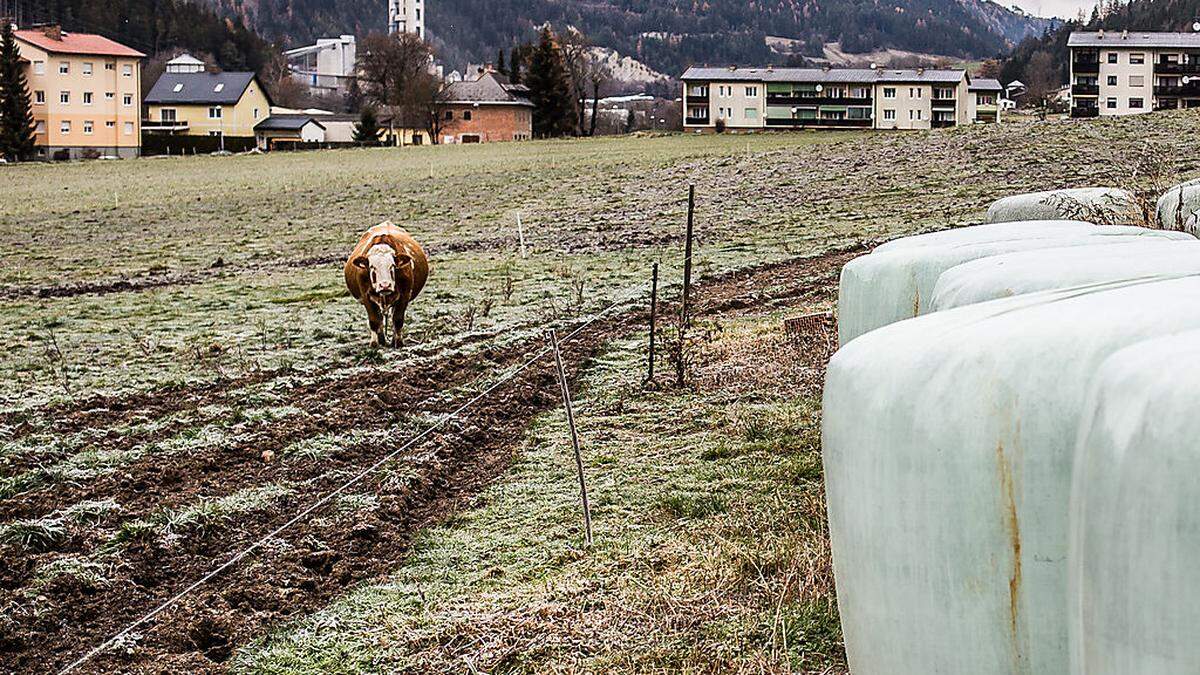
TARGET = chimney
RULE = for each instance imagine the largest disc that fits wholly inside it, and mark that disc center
(733, 68)
(1124, 35)
(921, 71)
(1100, 34)
(826, 68)
(54, 32)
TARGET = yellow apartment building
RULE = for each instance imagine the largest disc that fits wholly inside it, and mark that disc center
(207, 104)
(86, 92)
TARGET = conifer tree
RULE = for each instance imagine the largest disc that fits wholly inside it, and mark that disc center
(500, 67)
(549, 89)
(16, 109)
(367, 129)
(515, 65)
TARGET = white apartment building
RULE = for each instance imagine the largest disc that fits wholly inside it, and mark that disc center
(407, 16)
(329, 66)
(794, 98)
(1126, 73)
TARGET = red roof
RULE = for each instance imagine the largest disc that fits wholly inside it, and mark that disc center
(77, 43)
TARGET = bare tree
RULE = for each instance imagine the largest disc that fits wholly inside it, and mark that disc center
(588, 73)
(397, 75)
(1041, 78)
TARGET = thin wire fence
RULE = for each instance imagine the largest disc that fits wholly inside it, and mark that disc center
(262, 541)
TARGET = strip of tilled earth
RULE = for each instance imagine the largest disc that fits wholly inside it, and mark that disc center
(287, 580)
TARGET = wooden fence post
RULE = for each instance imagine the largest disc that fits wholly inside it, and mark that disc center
(687, 284)
(653, 315)
(566, 396)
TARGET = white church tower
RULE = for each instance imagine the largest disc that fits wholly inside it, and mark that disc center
(407, 16)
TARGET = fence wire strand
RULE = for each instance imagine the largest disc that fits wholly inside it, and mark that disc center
(262, 541)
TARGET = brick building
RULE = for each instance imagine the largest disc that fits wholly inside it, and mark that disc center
(485, 110)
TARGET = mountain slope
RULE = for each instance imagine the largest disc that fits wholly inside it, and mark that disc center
(666, 35)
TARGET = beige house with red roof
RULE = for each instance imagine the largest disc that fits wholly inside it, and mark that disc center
(86, 92)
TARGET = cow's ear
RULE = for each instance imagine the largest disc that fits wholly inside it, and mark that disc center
(403, 261)
(361, 262)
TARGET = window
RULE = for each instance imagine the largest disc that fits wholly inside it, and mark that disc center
(167, 115)
(888, 113)
(40, 127)
(108, 96)
(87, 69)
(219, 88)
(890, 92)
(1111, 104)
(255, 113)
(1137, 59)
(127, 70)
(64, 97)
(1112, 57)
(449, 114)
(751, 113)
(129, 128)
(87, 98)
(1135, 103)
(466, 114)
(751, 91)
(109, 124)
(915, 115)
(1137, 80)
(88, 126)
(39, 97)
(127, 100)
(214, 134)
(110, 65)
(64, 128)
(64, 68)
(39, 67)
(1112, 80)
(214, 112)
(177, 88)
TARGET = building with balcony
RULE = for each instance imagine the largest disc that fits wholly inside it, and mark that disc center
(983, 99)
(755, 99)
(406, 16)
(1127, 73)
(206, 104)
(86, 92)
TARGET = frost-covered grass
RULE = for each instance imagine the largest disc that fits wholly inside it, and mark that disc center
(710, 545)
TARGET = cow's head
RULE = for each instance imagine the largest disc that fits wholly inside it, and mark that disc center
(385, 266)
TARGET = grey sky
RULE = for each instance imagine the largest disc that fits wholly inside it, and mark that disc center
(1066, 9)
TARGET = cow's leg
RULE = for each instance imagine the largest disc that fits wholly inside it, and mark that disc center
(375, 323)
(398, 310)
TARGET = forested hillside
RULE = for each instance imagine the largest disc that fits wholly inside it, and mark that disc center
(667, 35)
(154, 26)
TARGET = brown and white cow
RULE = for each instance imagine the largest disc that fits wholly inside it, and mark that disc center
(385, 271)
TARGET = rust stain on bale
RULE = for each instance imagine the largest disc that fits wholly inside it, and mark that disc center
(1013, 526)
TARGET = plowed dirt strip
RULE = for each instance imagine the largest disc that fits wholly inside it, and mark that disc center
(42, 629)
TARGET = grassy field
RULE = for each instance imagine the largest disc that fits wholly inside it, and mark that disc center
(183, 370)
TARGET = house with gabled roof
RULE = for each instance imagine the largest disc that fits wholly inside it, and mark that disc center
(204, 103)
(86, 92)
(487, 109)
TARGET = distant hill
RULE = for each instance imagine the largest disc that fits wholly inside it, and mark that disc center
(667, 35)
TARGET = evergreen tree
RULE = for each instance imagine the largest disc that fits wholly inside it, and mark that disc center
(367, 130)
(500, 67)
(515, 65)
(549, 89)
(16, 109)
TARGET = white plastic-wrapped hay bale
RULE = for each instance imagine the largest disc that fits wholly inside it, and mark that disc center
(1108, 206)
(1050, 268)
(948, 443)
(897, 282)
(1135, 525)
(1178, 205)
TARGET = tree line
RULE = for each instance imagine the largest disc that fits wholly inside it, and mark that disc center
(564, 74)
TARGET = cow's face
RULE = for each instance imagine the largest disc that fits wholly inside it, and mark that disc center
(384, 267)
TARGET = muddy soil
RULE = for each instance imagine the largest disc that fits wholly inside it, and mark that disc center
(44, 628)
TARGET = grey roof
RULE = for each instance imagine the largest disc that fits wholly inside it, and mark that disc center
(986, 84)
(832, 75)
(287, 122)
(1119, 39)
(489, 88)
(200, 88)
